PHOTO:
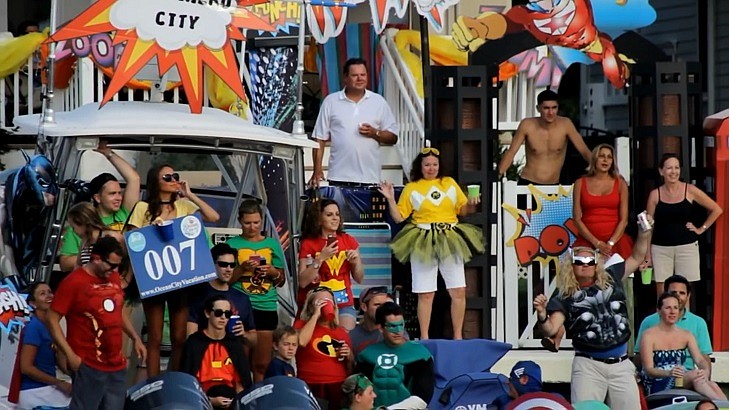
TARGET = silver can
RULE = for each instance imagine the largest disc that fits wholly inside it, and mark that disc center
(643, 222)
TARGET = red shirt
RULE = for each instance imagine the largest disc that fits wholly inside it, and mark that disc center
(93, 310)
(317, 361)
(334, 273)
(217, 368)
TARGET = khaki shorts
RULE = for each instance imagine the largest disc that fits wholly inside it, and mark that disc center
(680, 260)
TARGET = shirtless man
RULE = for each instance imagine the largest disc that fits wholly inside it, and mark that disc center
(546, 143)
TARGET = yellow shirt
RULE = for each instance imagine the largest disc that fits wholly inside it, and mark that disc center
(431, 201)
(140, 219)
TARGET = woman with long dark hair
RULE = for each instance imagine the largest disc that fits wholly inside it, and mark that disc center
(167, 198)
(86, 223)
(434, 240)
(330, 257)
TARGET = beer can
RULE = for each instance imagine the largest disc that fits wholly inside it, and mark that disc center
(643, 222)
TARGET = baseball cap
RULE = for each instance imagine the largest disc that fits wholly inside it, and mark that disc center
(526, 367)
(368, 293)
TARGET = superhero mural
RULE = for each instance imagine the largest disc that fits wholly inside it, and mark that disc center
(544, 233)
(573, 31)
(14, 314)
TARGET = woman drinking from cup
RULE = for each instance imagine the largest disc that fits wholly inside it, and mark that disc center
(335, 259)
(260, 272)
(167, 198)
(663, 350)
(434, 239)
(215, 358)
(675, 246)
(324, 358)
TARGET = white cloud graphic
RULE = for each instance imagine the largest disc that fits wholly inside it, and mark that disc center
(174, 24)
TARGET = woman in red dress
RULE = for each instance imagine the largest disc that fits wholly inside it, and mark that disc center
(600, 206)
(600, 211)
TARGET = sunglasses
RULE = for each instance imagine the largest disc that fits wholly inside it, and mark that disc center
(379, 290)
(221, 312)
(429, 150)
(225, 264)
(584, 261)
(112, 266)
(170, 177)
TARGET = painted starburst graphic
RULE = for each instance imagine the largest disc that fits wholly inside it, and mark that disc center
(188, 35)
(13, 308)
(543, 234)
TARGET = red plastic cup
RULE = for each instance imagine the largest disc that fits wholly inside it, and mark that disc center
(327, 310)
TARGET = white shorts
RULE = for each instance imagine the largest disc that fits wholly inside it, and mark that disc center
(425, 274)
(42, 396)
(681, 260)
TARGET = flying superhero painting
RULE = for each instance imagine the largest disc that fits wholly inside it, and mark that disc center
(573, 25)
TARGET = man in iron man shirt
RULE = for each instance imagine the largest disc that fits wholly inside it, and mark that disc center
(566, 23)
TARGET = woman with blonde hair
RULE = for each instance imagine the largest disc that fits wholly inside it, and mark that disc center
(591, 304)
(324, 358)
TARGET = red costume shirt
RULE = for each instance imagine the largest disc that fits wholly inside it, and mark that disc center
(93, 310)
(335, 272)
(317, 362)
(217, 367)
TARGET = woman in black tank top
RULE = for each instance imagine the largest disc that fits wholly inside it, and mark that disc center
(674, 248)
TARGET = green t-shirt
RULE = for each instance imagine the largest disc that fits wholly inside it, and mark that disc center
(261, 291)
(72, 242)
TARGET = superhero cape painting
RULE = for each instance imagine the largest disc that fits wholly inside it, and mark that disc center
(573, 31)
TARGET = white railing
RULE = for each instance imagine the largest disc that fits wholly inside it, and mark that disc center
(19, 94)
(551, 206)
(401, 93)
(87, 85)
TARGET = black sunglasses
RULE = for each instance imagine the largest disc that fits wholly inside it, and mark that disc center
(379, 290)
(221, 312)
(170, 177)
(225, 264)
(112, 266)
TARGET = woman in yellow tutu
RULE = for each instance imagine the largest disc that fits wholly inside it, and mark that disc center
(434, 239)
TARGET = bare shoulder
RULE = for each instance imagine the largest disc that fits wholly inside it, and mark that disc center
(565, 122)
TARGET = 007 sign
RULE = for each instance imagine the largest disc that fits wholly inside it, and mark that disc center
(171, 257)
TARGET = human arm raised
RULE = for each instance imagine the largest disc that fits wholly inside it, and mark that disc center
(709, 204)
(640, 248)
(549, 324)
(208, 213)
(307, 331)
(387, 189)
(127, 171)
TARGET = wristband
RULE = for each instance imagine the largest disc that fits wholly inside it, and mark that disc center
(546, 318)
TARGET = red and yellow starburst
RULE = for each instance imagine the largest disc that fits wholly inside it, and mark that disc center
(189, 60)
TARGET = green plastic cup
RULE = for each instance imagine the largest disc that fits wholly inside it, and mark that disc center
(646, 275)
(474, 191)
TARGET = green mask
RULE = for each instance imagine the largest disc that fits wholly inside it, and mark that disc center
(395, 327)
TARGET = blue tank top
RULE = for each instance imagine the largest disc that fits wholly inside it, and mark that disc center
(671, 219)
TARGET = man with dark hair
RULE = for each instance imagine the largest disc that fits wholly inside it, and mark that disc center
(91, 299)
(545, 142)
(27, 27)
(224, 258)
(112, 206)
(355, 121)
(398, 368)
(679, 286)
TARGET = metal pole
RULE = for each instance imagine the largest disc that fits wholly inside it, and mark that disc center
(298, 127)
(47, 115)
(427, 74)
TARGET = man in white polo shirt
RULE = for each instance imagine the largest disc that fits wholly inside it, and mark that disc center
(355, 121)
